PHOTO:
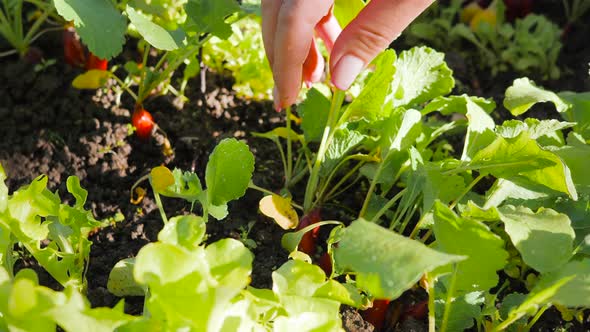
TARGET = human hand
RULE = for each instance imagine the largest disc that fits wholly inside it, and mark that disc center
(288, 31)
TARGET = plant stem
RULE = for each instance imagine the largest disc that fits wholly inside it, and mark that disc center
(314, 177)
(124, 86)
(289, 171)
(431, 307)
(417, 227)
(388, 205)
(283, 158)
(341, 182)
(372, 187)
(537, 316)
(407, 219)
(466, 191)
(160, 207)
(448, 301)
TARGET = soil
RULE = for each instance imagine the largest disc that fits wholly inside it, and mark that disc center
(49, 128)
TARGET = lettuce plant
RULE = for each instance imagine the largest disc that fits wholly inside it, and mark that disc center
(54, 233)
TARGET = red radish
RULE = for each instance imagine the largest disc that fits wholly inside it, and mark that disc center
(73, 49)
(308, 241)
(325, 263)
(417, 311)
(376, 314)
(95, 62)
(143, 122)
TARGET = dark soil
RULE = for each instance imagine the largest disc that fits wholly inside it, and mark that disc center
(47, 127)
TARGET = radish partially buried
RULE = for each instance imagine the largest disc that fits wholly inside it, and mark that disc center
(143, 122)
(376, 314)
(74, 53)
(308, 242)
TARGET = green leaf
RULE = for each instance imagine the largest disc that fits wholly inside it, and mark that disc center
(544, 239)
(579, 112)
(400, 131)
(24, 304)
(121, 282)
(344, 293)
(548, 129)
(576, 291)
(314, 113)
(185, 231)
(75, 314)
(421, 75)
(504, 190)
(297, 277)
(372, 102)
(346, 10)
(228, 172)
(510, 302)
(439, 186)
(484, 249)
(457, 104)
(186, 186)
(481, 125)
(279, 132)
(463, 310)
(209, 16)
(523, 94)
(309, 315)
(218, 212)
(100, 25)
(163, 263)
(230, 263)
(343, 142)
(154, 34)
(385, 263)
(522, 158)
(79, 193)
(576, 157)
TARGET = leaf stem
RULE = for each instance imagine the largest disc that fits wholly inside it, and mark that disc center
(314, 177)
(537, 316)
(372, 187)
(160, 207)
(289, 172)
(431, 307)
(449, 300)
(342, 180)
(467, 190)
(388, 205)
(124, 86)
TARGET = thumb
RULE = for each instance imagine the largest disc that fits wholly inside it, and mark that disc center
(374, 28)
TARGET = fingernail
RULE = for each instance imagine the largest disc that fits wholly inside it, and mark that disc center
(308, 84)
(346, 71)
(275, 98)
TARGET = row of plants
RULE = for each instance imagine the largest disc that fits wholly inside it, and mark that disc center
(498, 36)
(492, 257)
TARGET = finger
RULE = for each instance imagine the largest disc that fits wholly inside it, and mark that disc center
(270, 13)
(374, 28)
(292, 41)
(328, 30)
(313, 67)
